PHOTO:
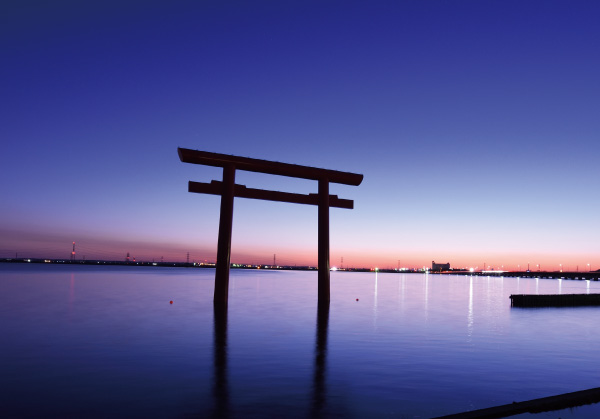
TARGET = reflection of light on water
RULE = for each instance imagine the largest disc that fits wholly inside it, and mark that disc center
(559, 286)
(587, 286)
(401, 289)
(537, 285)
(375, 295)
(71, 293)
(426, 295)
(403, 286)
(375, 303)
(72, 289)
(470, 315)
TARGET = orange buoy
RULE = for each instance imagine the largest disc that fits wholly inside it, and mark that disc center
(171, 302)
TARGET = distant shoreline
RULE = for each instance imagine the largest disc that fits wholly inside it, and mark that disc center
(176, 264)
(97, 262)
(593, 275)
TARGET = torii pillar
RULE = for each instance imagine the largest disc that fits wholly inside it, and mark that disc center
(323, 238)
(224, 242)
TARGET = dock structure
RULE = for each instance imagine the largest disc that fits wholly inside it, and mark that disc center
(228, 189)
(554, 300)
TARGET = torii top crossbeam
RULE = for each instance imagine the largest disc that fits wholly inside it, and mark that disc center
(269, 167)
(228, 190)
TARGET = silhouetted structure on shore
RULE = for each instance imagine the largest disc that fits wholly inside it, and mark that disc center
(228, 189)
(440, 266)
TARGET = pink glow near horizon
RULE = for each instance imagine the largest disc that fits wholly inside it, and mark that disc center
(263, 254)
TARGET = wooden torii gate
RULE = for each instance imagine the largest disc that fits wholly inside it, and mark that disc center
(228, 189)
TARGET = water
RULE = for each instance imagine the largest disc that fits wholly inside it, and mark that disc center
(84, 341)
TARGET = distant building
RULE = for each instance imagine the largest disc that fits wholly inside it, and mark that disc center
(440, 266)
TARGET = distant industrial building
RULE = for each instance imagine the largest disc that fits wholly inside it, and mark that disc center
(440, 266)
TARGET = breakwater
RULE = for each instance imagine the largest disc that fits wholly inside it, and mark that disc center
(580, 276)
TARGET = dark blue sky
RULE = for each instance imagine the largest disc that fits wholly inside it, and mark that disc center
(475, 123)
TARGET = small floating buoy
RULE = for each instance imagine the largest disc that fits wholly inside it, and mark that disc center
(171, 302)
(357, 299)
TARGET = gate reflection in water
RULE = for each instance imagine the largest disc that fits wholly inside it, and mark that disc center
(220, 380)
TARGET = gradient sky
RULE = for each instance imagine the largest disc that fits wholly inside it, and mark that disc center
(475, 123)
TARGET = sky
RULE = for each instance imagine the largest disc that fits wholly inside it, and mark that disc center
(475, 124)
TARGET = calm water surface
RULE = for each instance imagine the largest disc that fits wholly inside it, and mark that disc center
(84, 341)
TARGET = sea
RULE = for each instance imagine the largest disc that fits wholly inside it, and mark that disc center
(80, 341)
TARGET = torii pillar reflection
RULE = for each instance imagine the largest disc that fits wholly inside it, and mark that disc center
(228, 189)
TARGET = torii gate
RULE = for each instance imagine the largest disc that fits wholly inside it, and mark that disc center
(228, 189)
